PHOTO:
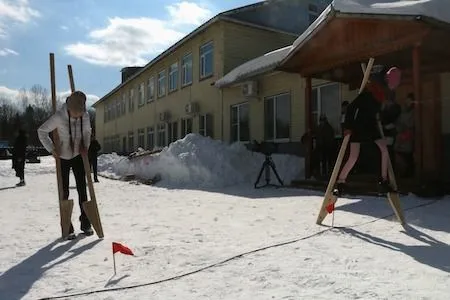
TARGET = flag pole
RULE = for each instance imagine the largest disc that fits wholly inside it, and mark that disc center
(114, 259)
(332, 220)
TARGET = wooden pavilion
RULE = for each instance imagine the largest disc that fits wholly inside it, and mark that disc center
(413, 37)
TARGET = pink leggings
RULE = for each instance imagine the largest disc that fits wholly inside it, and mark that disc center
(353, 157)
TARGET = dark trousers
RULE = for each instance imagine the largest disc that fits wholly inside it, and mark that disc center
(93, 162)
(19, 166)
(76, 164)
(408, 158)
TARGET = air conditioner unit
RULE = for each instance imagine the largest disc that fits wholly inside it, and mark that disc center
(192, 108)
(250, 89)
(164, 116)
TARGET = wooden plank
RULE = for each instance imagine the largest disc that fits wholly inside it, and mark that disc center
(328, 198)
(65, 205)
(90, 207)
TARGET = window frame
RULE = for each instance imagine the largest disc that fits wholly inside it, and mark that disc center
(151, 89)
(202, 59)
(275, 99)
(186, 68)
(238, 106)
(150, 131)
(316, 110)
(171, 72)
(164, 78)
(141, 94)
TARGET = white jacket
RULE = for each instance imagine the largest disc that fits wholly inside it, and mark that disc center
(60, 121)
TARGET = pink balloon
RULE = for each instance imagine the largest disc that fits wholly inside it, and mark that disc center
(393, 77)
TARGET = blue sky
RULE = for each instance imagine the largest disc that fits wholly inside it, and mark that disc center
(97, 37)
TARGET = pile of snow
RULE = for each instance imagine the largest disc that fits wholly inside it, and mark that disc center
(197, 161)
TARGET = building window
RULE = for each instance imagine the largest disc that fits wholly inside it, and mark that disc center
(313, 13)
(118, 109)
(186, 127)
(124, 103)
(106, 113)
(150, 138)
(240, 125)
(162, 84)
(131, 101)
(173, 77)
(151, 89)
(206, 60)
(141, 138)
(173, 132)
(206, 125)
(141, 94)
(162, 135)
(277, 115)
(326, 100)
(186, 65)
(130, 141)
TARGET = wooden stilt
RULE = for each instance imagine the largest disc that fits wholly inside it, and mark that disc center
(308, 127)
(90, 207)
(65, 205)
(417, 113)
(329, 198)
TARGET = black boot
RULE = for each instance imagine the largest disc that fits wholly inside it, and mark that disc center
(384, 187)
(339, 190)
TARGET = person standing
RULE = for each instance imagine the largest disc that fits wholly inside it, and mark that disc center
(361, 123)
(404, 144)
(19, 156)
(74, 129)
(325, 145)
(94, 148)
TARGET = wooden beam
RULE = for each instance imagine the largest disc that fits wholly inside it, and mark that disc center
(378, 48)
(417, 84)
(308, 126)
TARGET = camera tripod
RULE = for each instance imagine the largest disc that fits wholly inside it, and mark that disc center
(268, 163)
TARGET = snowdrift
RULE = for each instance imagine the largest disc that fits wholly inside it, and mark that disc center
(200, 162)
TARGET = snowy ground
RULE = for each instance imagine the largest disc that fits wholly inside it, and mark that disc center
(174, 232)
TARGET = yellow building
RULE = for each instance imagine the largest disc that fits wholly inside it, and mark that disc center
(174, 94)
(269, 105)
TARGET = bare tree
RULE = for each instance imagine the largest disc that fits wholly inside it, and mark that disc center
(23, 98)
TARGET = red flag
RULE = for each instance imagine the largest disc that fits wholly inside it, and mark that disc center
(116, 247)
(330, 207)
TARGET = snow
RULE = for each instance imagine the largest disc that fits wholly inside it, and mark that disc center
(254, 67)
(438, 10)
(201, 162)
(277, 250)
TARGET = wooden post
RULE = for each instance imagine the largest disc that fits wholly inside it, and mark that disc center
(308, 127)
(418, 107)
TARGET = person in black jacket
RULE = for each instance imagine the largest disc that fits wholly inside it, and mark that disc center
(389, 115)
(19, 155)
(361, 123)
(94, 148)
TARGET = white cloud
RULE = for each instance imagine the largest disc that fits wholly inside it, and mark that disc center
(13, 95)
(7, 51)
(127, 42)
(15, 11)
(65, 28)
(188, 13)
(8, 93)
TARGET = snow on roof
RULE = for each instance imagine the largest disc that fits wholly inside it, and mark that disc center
(257, 66)
(435, 9)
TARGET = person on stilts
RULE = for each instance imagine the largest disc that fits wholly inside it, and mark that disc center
(361, 123)
(74, 129)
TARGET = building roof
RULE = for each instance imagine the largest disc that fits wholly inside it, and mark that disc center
(255, 67)
(433, 10)
(233, 15)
